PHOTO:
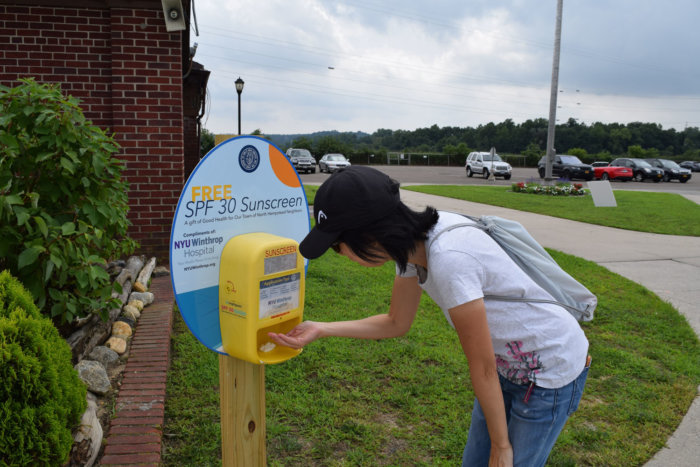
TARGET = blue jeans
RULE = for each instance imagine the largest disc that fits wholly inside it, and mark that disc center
(533, 427)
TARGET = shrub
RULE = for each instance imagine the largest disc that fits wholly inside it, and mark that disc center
(580, 153)
(41, 395)
(63, 204)
(533, 153)
(603, 156)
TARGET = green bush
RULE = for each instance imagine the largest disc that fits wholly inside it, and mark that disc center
(580, 153)
(533, 153)
(41, 395)
(63, 204)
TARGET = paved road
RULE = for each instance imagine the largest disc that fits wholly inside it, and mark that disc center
(440, 175)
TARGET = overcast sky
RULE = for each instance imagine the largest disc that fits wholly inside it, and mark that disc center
(361, 65)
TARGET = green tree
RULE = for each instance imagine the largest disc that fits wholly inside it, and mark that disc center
(533, 153)
(206, 142)
(459, 150)
(690, 139)
(579, 152)
(63, 203)
(302, 142)
(636, 151)
(328, 144)
(619, 139)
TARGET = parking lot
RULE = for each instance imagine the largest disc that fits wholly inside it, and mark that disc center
(442, 175)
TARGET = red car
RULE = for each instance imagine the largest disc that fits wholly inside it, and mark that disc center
(608, 172)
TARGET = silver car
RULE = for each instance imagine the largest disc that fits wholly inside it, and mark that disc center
(332, 162)
(483, 163)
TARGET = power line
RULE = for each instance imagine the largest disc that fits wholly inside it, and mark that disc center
(308, 87)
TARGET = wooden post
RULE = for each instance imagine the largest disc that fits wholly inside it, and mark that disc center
(242, 392)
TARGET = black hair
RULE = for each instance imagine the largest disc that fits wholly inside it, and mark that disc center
(396, 233)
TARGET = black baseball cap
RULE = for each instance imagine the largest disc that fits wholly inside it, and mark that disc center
(353, 197)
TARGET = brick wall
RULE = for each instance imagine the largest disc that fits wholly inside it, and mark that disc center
(126, 69)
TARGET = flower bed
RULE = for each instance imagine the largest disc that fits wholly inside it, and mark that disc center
(560, 189)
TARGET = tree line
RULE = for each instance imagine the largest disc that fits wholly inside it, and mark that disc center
(598, 141)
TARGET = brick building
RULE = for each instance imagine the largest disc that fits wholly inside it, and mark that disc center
(135, 78)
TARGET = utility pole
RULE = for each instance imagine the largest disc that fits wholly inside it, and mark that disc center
(551, 152)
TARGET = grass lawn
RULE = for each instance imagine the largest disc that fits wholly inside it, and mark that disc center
(407, 401)
(664, 213)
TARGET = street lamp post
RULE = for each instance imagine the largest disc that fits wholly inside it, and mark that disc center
(239, 90)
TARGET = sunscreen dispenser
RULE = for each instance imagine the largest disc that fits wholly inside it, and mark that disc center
(261, 290)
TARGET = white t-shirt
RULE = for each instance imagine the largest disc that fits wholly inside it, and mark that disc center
(533, 342)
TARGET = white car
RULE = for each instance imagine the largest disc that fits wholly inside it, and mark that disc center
(482, 163)
(332, 162)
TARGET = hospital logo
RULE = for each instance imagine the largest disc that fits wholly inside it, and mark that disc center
(249, 158)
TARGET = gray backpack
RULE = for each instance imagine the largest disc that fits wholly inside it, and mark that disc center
(536, 263)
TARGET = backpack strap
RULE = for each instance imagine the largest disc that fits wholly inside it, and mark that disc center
(501, 298)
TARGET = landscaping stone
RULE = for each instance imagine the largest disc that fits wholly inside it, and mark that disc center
(131, 312)
(88, 436)
(115, 267)
(117, 344)
(144, 276)
(145, 297)
(139, 287)
(94, 376)
(161, 271)
(128, 320)
(121, 329)
(138, 304)
(104, 355)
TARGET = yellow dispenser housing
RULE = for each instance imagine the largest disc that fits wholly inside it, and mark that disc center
(261, 290)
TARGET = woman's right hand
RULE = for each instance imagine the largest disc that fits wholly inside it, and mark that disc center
(304, 333)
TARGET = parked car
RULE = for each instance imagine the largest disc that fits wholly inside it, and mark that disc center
(608, 172)
(302, 160)
(566, 166)
(641, 169)
(692, 165)
(482, 163)
(600, 164)
(672, 171)
(332, 162)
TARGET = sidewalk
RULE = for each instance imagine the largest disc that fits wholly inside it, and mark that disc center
(667, 265)
(136, 430)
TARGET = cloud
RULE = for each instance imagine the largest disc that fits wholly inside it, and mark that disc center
(312, 65)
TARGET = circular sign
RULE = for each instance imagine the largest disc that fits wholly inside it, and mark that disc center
(243, 185)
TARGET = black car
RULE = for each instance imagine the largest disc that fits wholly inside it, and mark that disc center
(693, 166)
(672, 171)
(566, 166)
(641, 169)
